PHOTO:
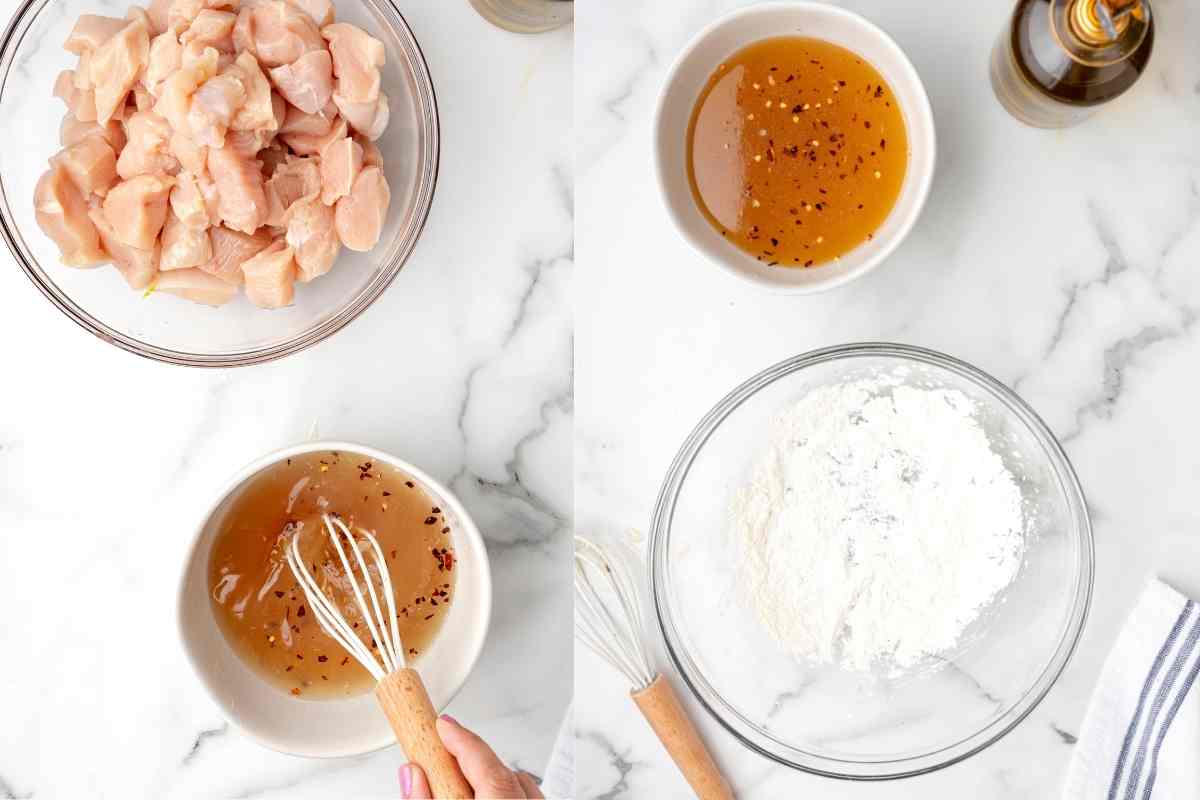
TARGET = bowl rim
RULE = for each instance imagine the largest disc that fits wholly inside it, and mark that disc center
(923, 111)
(12, 36)
(466, 526)
(884, 769)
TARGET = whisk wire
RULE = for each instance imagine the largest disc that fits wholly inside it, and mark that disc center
(614, 634)
(378, 634)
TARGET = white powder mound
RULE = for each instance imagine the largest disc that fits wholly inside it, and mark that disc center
(878, 526)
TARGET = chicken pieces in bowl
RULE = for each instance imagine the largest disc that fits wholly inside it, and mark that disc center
(215, 146)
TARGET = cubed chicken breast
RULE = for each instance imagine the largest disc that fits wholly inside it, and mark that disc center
(165, 57)
(196, 285)
(311, 233)
(175, 93)
(148, 151)
(213, 107)
(274, 156)
(360, 215)
(321, 11)
(357, 57)
(309, 145)
(62, 214)
(308, 83)
(158, 10)
(341, 161)
(72, 131)
(296, 121)
(369, 119)
(371, 155)
(212, 28)
(91, 165)
(142, 100)
(183, 246)
(194, 201)
(277, 33)
(115, 66)
(192, 157)
(137, 209)
(81, 103)
(247, 144)
(243, 202)
(258, 111)
(298, 180)
(91, 31)
(137, 267)
(231, 249)
(180, 14)
(270, 276)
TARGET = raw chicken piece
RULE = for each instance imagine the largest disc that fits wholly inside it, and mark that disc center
(213, 28)
(307, 145)
(62, 214)
(279, 108)
(166, 56)
(243, 203)
(341, 161)
(115, 65)
(180, 14)
(148, 151)
(142, 99)
(360, 215)
(276, 32)
(183, 246)
(213, 107)
(231, 249)
(369, 119)
(175, 93)
(321, 11)
(258, 111)
(73, 131)
(308, 83)
(192, 157)
(270, 276)
(81, 79)
(81, 103)
(91, 31)
(137, 209)
(311, 233)
(91, 165)
(357, 57)
(298, 180)
(139, 14)
(196, 285)
(137, 267)
(296, 121)
(371, 155)
(194, 201)
(158, 10)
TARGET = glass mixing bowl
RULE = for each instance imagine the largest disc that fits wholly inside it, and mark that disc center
(162, 326)
(836, 722)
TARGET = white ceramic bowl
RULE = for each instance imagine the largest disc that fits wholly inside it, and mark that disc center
(331, 728)
(682, 88)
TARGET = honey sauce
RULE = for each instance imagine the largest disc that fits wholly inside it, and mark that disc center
(797, 151)
(262, 611)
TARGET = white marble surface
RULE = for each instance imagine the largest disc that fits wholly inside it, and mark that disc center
(463, 366)
(1067, 264)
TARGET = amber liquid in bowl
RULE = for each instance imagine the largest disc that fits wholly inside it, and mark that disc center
(260, 608)
(797, 151)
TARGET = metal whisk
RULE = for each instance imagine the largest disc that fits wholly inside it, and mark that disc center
(400, 691)
(608, 619)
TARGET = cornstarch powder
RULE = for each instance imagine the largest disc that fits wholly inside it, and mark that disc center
(877, 526)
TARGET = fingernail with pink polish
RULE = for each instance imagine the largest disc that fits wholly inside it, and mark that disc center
(406, 780)
(450, 719)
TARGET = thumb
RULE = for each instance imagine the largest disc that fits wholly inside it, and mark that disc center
(413, 785)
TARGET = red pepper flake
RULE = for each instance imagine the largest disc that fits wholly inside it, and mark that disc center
(345, 661)
(322, 659)
(436, 510)
(409, 484)
(300, 611)
(288, 668)
(296, 690)
(279, 594)
(431, 520)
(429, 617)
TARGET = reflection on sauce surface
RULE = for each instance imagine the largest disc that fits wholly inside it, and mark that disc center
(262, 611)
(796, 151)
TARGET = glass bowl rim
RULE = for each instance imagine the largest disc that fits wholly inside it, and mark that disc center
(883, 769)
(426, 100)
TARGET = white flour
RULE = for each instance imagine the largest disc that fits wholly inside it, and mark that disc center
(877, 526)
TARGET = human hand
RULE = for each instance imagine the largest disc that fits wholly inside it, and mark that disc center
(482, 768)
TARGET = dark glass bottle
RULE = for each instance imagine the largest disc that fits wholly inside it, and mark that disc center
(1060, 60)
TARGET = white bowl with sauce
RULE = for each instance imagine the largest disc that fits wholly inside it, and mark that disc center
(684, 84)
(330, 728)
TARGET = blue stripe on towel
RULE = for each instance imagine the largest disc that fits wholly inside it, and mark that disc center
(1164, 689)
(1159, 659)
(1162, 731)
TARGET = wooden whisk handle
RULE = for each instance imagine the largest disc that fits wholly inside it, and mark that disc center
(406, 703)
(661, 708)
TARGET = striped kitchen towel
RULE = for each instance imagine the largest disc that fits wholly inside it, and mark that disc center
(1141, 736)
